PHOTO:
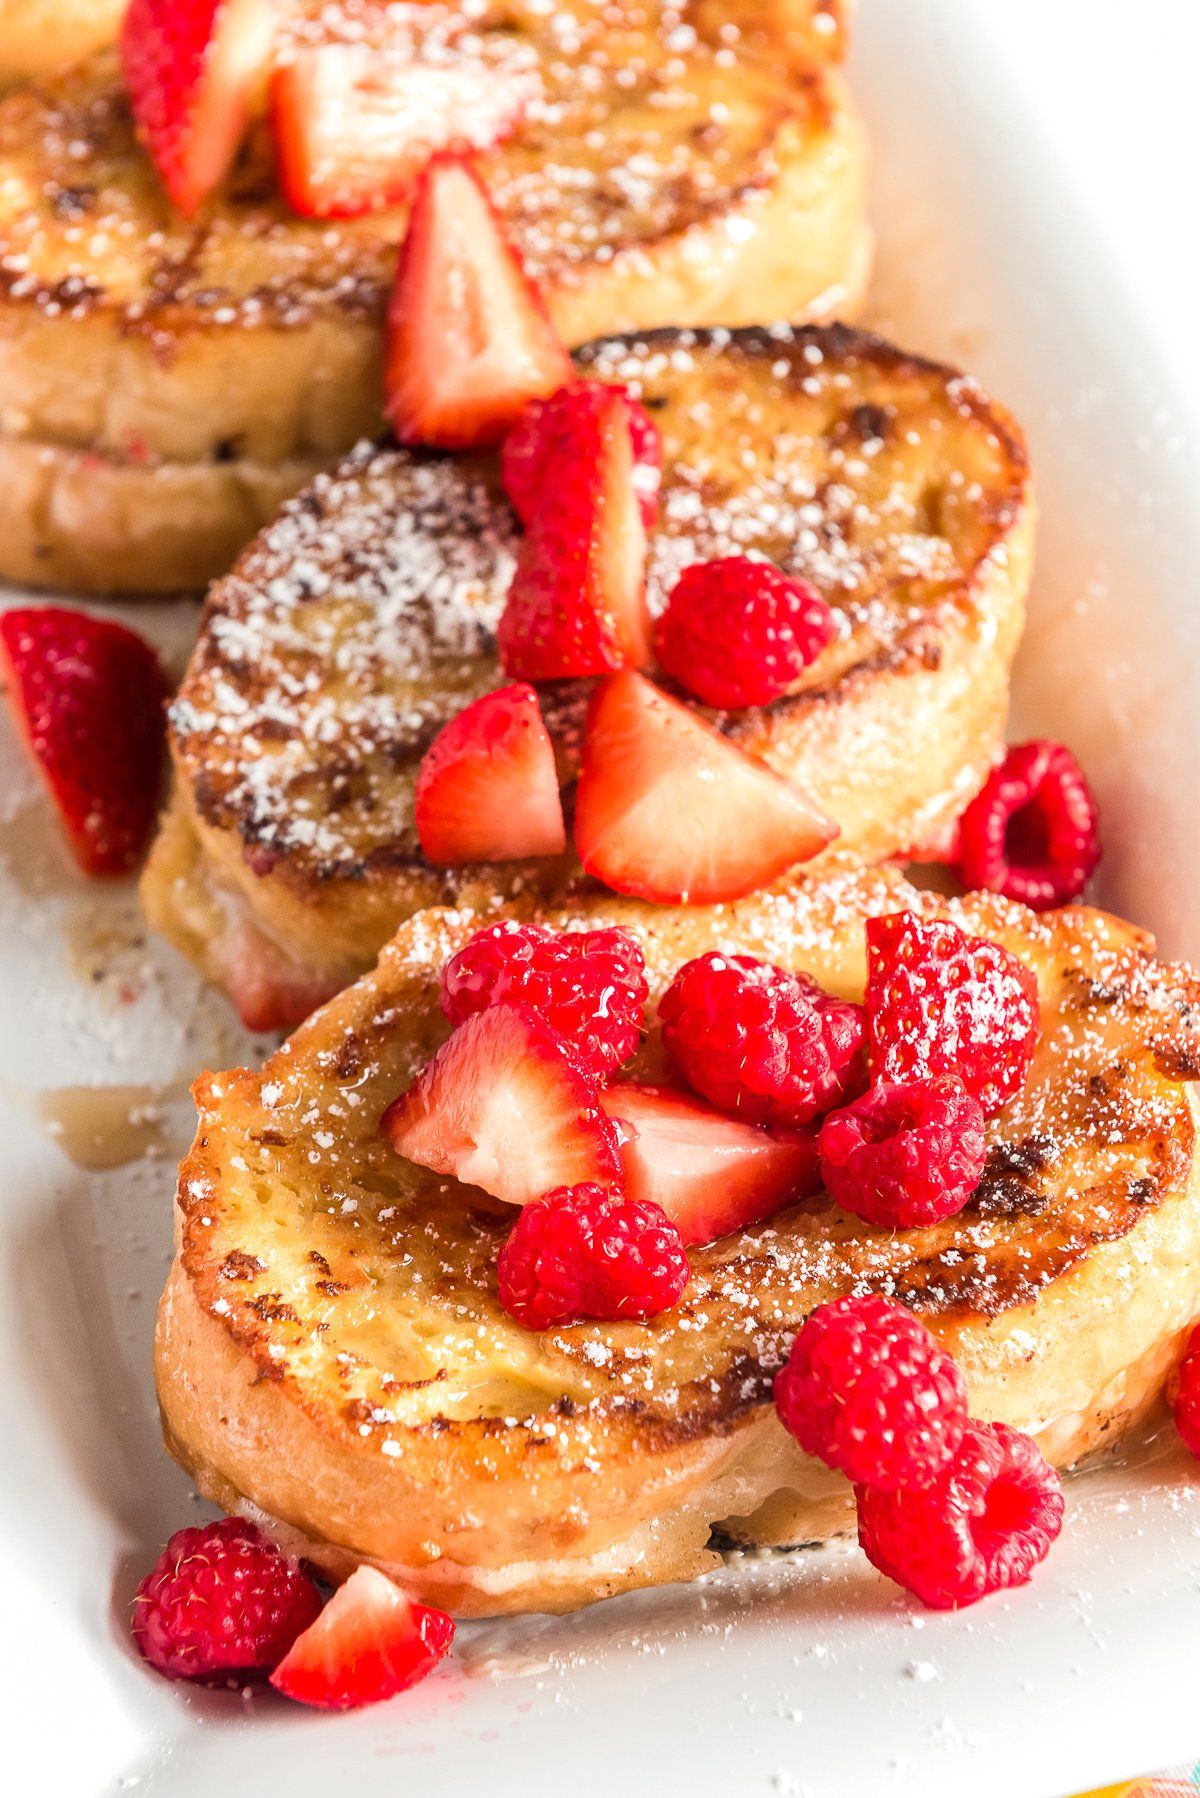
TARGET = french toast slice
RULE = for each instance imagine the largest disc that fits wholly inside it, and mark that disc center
(365, 617)
(655, 176)
(38, 36)
(332, 1357)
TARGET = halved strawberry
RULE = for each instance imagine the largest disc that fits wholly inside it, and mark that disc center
(369, 1643)
(89, 697)
(354, 127)
(668, 809)
(487, 790)
(711, 1173)
(469, 341)
(577, 604)
(504, 1105)
(525, 456)
(193, 69)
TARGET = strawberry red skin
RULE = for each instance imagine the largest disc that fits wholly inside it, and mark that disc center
(577, 604)
(369, 1643)
(89, 697)
(667, 809)
(354, 128)
(709, 1172)
(469, 340)
(192, 69)
(487, 788)
(526, 454)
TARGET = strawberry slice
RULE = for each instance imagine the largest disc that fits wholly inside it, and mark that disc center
(469, 340)
(668, 809)
(525, 456)
(577, 604)
(89, 697)
(194, 69)
(709, 1172)
(369, 1643)
(504, 1105)
(487, 789)
(354, 128)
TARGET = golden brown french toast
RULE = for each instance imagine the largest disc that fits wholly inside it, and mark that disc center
(37, 36)
(332, 1354)
(364, 618)
(663, 172)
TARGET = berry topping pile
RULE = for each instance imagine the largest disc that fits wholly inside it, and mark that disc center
(756, 1040)
(737, 632)
(1033, 832)
(904, 1156)
(581, 1251)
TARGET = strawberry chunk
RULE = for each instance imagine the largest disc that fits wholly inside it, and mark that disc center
(505, 1105)
(526, 458)
(710, 1173)
(577, 604)
(469, 340)
(89, 697)
(487, 789)
(354, 128)
(369, 1643)
(669, 810)
(193, 69)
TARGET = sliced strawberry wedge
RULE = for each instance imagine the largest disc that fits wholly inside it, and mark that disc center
(487, 790)
(193, 69)
(89, 697)
(669, 810)
(710, 1173)
(354, 128)
(526, 454)
(577, 604)
(469, 341)
(504, 1105)
(369, 1643)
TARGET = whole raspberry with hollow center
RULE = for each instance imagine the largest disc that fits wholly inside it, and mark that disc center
(582, 1252)
(221, 1599)
(589, 985)
(756, 1040)
(942, 1002)
(984, 1524)
(1033, 833)
(736, 632)
(1187, 1394)
(904, 1155)
(867, 1390)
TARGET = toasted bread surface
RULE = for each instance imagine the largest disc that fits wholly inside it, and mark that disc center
(357, 624)
(38, 36)
(653, 178)
(331, 1350)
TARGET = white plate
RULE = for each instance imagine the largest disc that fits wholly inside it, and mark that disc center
(801, 1673)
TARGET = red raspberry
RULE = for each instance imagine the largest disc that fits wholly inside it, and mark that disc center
(588, 985)
(1187, 1394)
(984, 1523)
(756, 1040)
(904, 1156)
(737, 632)
(868, 1391)
(942, 1002)
(221, 1600)
(523, 462)
(581, 1252)
(1033, 832)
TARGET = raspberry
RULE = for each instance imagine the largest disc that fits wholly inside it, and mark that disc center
(221, 1600)
(580, 1252)
(756, 1040)
(942, 1002)
(868, 1391)
(590, 985)
(737, 632)
(1187, 1394)
(904, 1156)
(1033, 832)
(982, 1525)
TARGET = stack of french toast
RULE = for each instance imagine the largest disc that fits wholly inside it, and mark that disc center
(597, 633)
